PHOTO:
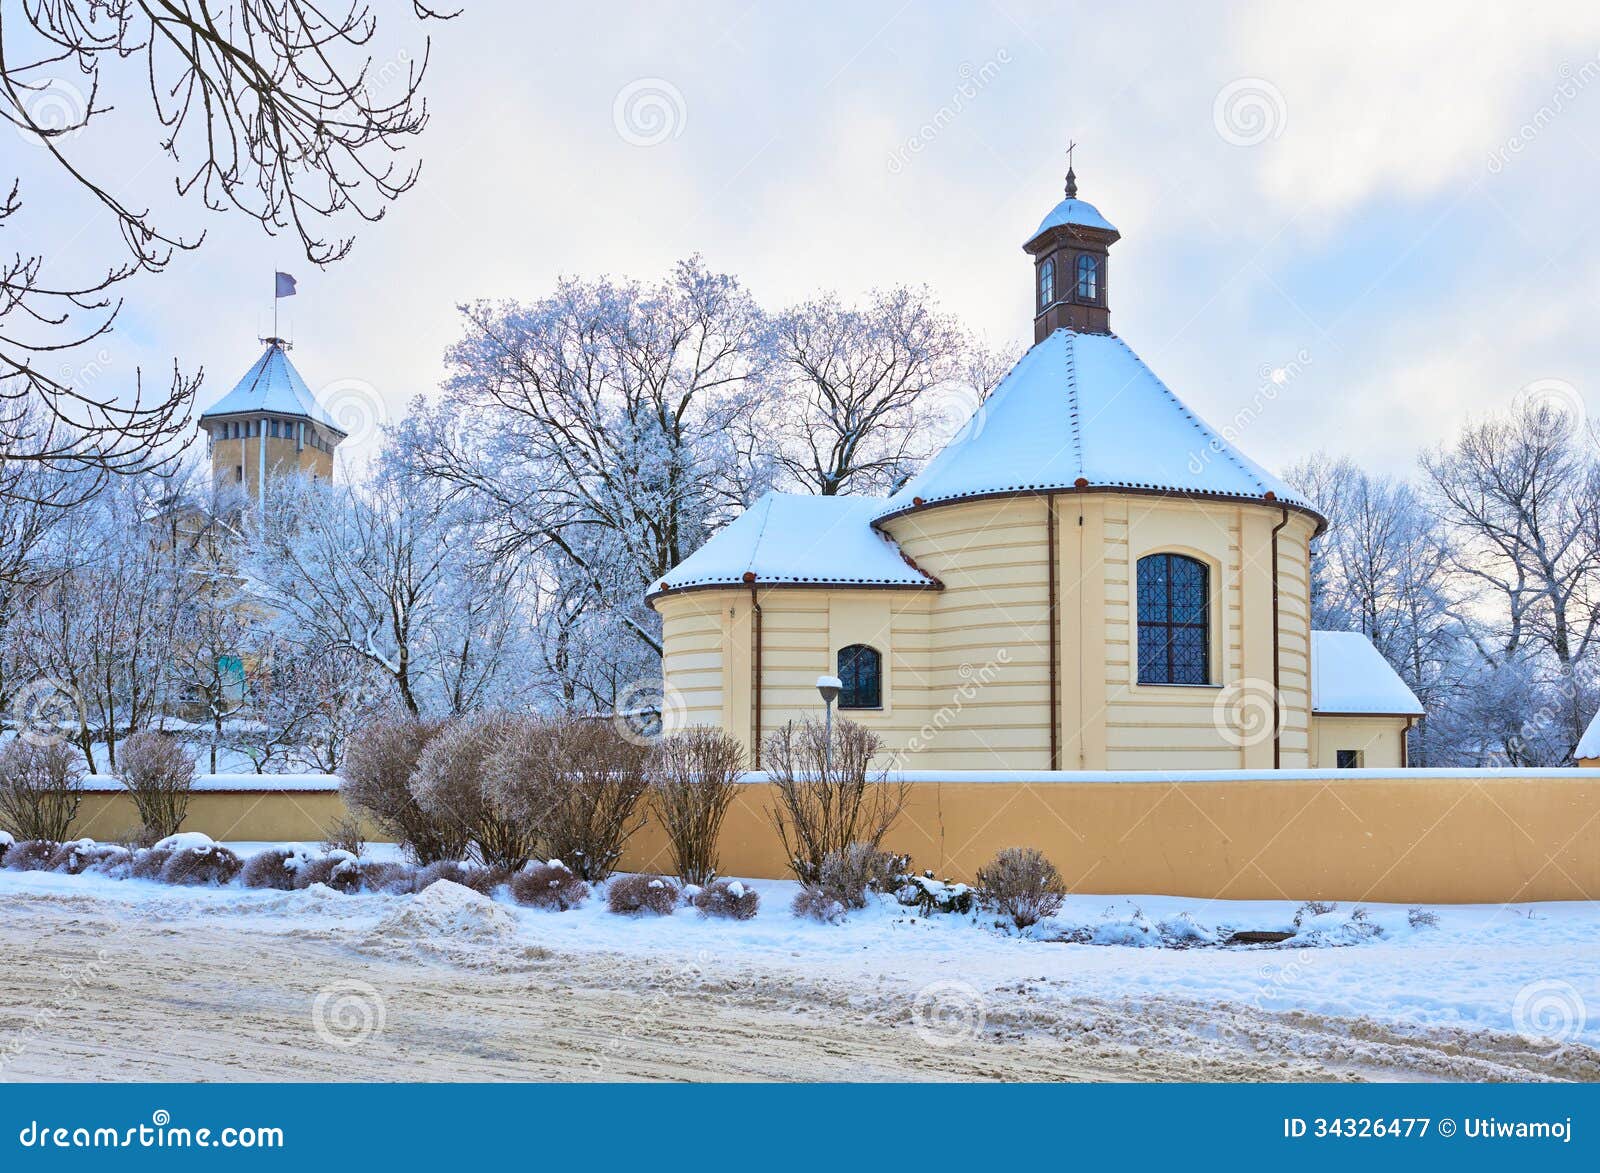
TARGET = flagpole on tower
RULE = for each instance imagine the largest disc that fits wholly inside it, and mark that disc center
(283, 285)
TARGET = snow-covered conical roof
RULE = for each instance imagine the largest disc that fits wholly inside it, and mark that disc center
(273, 385)
(796, 539)
(1075, 213)
(1085, 408)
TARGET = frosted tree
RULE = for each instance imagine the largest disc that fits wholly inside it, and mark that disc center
(860, 388)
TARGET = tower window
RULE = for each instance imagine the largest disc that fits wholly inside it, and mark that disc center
(861, 674)
(238, 472)
(1174, 620)
(1088, 278)
(1047, 283)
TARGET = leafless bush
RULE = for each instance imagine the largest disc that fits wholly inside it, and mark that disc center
(85, 855)
(642, 893)
(1422, 918)
(30, 855)
(148, 862)
(579, 784)
(204, 863)
(1312, 908)
(480, 879)
(452, 781)
(346, 834)
(40, 788)
(1020, 883)
(378, 765)
(824, 806)
(395, 879)
(727, 898)
(815, 904)
(552, 886)
(338, 870)
(158, 774)
(275, 867)
(694, 776)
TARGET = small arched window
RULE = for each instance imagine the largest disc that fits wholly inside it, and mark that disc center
(1174, 620)
(1047, 283)
(1088, 278)
(861, 674)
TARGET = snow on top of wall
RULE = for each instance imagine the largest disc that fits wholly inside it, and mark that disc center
(308, 783)
(796, 538)
(273, 384)
(1084, 406)
(1589, 743)
(1079, 213)
(1349, 675)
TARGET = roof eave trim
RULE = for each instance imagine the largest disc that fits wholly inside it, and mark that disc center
(1126, 490)
(786, 584)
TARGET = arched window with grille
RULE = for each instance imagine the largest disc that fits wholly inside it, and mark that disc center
(1047, 283)
(1088, 278)
(1174, 620)
(861, 674)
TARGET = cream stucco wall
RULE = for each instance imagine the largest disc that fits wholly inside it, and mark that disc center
(1381, 741)
(967, 667)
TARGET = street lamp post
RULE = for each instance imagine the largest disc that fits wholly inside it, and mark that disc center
(829, 687)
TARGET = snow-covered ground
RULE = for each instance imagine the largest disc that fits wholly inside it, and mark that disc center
(1522, 979)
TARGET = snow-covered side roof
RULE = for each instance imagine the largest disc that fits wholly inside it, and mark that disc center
(1085, 406)
(795, 538)
(1589, 743)
(1076, 212)
(273, 385)
(1349, 675)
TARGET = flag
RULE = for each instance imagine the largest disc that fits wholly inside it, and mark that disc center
(284, 286)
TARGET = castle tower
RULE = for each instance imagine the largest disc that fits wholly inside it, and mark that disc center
(270, 424)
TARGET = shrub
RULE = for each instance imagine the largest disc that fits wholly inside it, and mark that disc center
(395, 879)
(451, 782)
(148, 862)
(5, 845)
(85, 855)
(826, 805)
(30, 855)
(480, 879)
(727, 898)
(376, 781)
(202, 863)
(40, 788)
(552, 886)
(276, 867)
(811, 901)
(1313, 908)
(158, 774)
(1021, 884)
(346, 834)
(578, 784)
(642, 893)
(338, 870)
(1422, 918)
(933, 897)
(693, 778)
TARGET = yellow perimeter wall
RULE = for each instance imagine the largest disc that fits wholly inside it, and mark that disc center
(1414, 838)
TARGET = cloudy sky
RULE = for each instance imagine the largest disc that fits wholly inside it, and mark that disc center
(1398, 210)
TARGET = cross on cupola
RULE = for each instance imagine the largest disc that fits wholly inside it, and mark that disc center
(1070, 250)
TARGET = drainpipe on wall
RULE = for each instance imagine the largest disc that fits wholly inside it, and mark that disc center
(1051, 610)
(1277, 671)
(755, 660)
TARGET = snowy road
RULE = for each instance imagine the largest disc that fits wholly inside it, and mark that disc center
(125, 980)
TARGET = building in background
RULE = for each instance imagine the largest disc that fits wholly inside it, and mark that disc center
(269, 424)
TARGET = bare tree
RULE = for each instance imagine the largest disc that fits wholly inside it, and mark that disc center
(273, 108)
(860, 385)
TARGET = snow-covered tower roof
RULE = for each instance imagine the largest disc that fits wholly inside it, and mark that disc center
(273, 387)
